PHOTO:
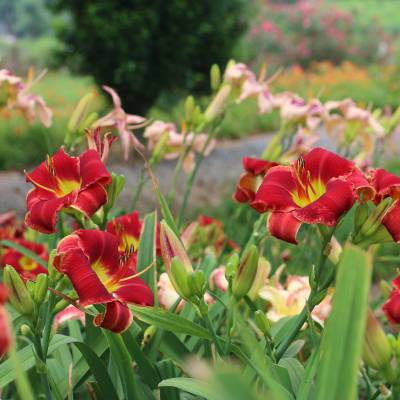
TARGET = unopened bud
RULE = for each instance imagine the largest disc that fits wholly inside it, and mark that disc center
(171, 246)
(41, 286)
(263, 270)
(377, 351)
(25, 330)
(246, 273)
(114, 190)
(160, 148)
(360, 216)
(197, 283)
(20, 297)
(232, 266)
(179, 279)
(78, 116)
(262, 322)
(218, 103)
(189, 107)
(148, 335)
(215, 77)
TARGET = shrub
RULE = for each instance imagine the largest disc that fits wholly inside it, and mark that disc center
(142, 48)
(304, 32)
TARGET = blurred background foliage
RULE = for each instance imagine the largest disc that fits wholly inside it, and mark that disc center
(155, 53)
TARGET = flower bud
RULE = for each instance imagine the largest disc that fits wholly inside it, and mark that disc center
(148, 335)
(20, 298)
(262, 323)
(189, 107)
(78, 116)
(215, 77)
(197, 283)
(25, 330)
(114, 190)
(360, 216)
(171, 246)
(179, 279)
(41, 286)
(232, 265)
(377, 351)
(372, 230)
(246, 273)
(263, 270)
(218, 103)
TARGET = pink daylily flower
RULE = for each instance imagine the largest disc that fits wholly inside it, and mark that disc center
(121, 121)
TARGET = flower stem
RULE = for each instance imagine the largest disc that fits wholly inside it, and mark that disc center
(139, 188)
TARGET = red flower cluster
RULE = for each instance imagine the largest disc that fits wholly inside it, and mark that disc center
(318, 188)
(65, 182)
(101, 274)
(392, 305)
(13, 230)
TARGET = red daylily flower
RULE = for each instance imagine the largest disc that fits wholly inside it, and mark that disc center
(10, 228)
(28, 269)
(5, 332)
(63, 182)
(388, 185)
(316, 189)
(128, 228)
(251, 180)
(100, 275)
(392, 306)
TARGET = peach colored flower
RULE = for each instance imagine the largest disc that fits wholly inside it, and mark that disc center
(123, 122)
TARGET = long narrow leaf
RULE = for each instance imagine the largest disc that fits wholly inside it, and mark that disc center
(168, 321)
(343, 337)
(99, 371)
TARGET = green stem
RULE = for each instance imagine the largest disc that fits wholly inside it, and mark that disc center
(139, 187)
(210, 327)
(48, 324)
(192, 176)
(229, 324)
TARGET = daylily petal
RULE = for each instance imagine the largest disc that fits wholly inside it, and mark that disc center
(115, 98)
(284, 226)
(92, 169)
(91, 199)
(42, 213)
(385, 183)
(275, 193)
(392, 307)
(101, 248)
(257, 166)
(134, 290)
(116, 318)
(324, 164)
(391, 222)
(327, 209)
(76, 265)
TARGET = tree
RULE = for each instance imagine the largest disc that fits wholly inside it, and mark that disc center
(145, 47)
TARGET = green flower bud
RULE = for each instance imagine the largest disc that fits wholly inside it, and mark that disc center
(148, 335)
(232, 266)
(41, 286)
(360, 216)
(179, 279)
(25, 330)
(263, 270)
(160, 148)
(218, 103)
(189, 107)
(78, 116)
(114, 190)
(246, 273)
(20, 297)
(262, 322)
(197, 283)
(215, 77)
(377, 352)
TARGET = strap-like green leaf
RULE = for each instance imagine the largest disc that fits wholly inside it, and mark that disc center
(147, 248)
(99, 371)
(193, 386)
(168, 321)
(123, 361)
(343, 337)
